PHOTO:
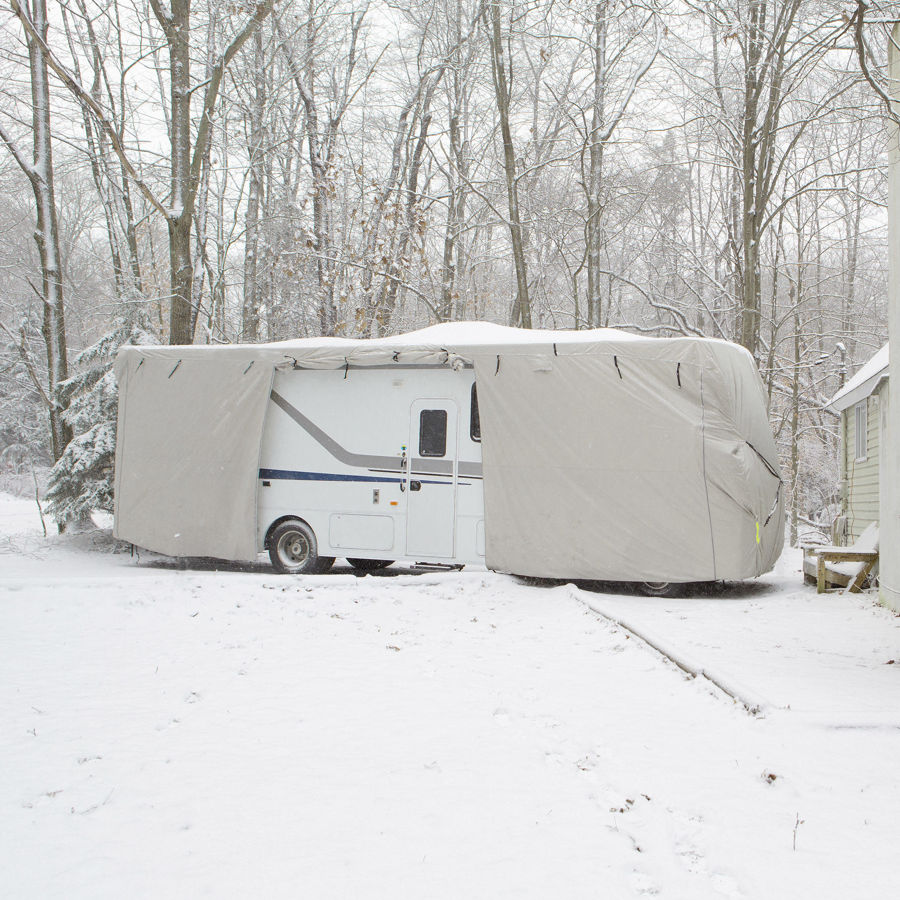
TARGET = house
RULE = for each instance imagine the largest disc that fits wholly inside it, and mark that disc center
(862, 403)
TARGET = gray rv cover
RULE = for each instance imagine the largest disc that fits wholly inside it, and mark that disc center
(606, 456)
(187, 448)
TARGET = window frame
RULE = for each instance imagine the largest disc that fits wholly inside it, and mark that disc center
(474, 415)
(426, 454)
(861, 431)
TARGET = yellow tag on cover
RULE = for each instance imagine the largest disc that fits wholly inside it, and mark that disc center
(757, 532)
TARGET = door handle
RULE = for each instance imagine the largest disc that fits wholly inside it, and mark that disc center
(415, 485)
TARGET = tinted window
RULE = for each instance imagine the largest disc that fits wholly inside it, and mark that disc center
(433, 432)
(474, 417)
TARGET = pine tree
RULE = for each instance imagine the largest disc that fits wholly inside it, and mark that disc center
(82, 479)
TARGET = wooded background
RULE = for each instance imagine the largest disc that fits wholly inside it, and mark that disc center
(222, 172)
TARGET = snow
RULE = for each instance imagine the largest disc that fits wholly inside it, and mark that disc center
(863, 382)
(477, 334)
(174, 731)
(453, 335)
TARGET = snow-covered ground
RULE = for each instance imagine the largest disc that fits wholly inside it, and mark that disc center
(183, 733)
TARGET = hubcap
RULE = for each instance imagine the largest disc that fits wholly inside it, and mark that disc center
(295, 548)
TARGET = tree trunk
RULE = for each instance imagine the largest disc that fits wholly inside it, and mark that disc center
(848, 296)
(767, 43)
(595, 173)
(521, 312)
(187, 153)
(180, 257)
(322, 233)
(412, 219)
(797, 300)
(203, 270)
(455, 212)
(319, 164)
(46, 235)
(181, 264)
(374, 249)
(750, 288)
(256, 174)
(452, 262)
(750, 292)
(134, 260)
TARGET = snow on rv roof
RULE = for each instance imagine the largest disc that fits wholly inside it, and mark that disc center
(489, 333)
(417, 347)
(469, 334)
(862, 383)
(328, 352)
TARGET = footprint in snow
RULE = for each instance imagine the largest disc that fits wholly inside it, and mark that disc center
(644, 885)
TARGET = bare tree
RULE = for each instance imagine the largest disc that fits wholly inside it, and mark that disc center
(187, 149)
(778, 45)
(501, 71)
(323, 121)
(39, 170)
(109, 176)
(453, 262)
(256, 186)
(605, 115)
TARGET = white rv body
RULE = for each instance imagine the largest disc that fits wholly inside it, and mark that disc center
(381, 463)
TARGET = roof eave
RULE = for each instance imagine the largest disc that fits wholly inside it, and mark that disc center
(842, 401)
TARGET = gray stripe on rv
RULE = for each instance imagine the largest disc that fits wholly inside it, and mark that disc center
(367, 460)
(361, 460)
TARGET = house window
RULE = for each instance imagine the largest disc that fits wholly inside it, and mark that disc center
(862, 428)
(433, 432)
(474, 417)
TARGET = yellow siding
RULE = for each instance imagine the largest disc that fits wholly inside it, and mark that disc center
(861, 478)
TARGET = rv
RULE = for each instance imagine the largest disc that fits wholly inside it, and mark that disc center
(583, 455)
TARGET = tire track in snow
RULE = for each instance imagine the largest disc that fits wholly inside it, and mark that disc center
(752, 702)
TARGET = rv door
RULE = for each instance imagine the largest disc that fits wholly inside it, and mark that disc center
(431, 480)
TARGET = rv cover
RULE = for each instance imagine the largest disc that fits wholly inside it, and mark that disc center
(605, 455)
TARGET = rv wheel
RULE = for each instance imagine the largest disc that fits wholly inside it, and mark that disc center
(293, 549)
(657, 588)
(370, 565)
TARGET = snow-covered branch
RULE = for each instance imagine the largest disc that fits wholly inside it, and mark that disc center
(84, 97)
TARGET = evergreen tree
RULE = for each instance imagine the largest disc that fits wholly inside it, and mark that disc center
(82, 479)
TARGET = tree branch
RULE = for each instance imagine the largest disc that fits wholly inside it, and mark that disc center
(26, 167)
(862, 51)
(87, 100)
(25, 356)
(212, 90)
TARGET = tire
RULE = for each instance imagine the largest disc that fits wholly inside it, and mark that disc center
(294, 551)
(370, 565)
(657, 588)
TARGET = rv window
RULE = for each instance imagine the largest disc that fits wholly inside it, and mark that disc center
(433, 432)
(474, 417)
